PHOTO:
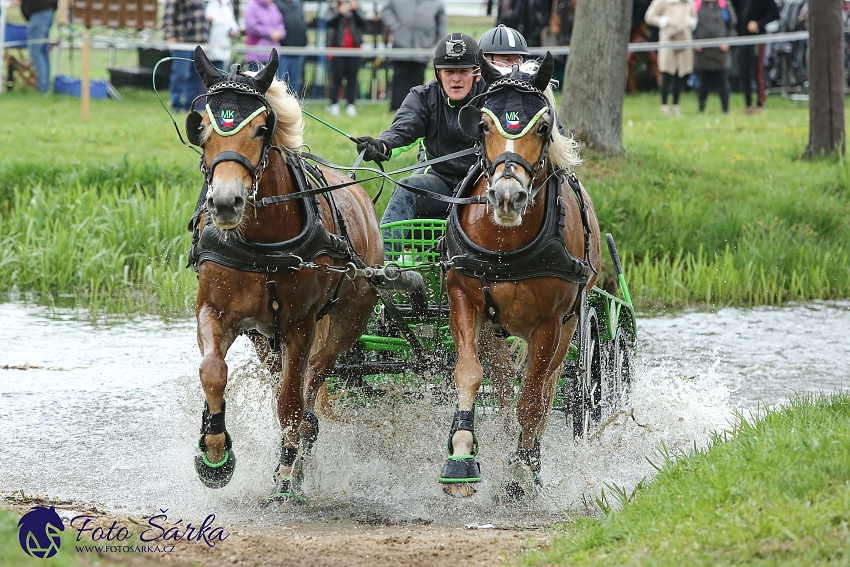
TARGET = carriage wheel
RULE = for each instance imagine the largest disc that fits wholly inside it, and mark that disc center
(587, 386)
(621, 367)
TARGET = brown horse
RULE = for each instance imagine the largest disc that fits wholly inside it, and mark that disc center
(522, 260)
(250, 256)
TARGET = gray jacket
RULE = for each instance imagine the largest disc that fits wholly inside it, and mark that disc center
(714, 23)
(415, 23)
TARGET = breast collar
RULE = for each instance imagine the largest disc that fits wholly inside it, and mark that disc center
(286, 257)
(545, 256)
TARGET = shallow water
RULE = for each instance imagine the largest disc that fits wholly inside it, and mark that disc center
(108, 415)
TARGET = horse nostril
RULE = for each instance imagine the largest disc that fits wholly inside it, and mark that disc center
(521, 199)
(238, 202)
(210, 203)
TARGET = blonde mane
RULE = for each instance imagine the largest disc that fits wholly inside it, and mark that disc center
(290, 122)
(563, 150)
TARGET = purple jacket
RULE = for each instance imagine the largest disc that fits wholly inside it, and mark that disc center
(261, 20)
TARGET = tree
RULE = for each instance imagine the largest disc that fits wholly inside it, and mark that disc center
(594, 80)
(826, 77)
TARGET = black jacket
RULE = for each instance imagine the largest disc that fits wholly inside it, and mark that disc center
(336, 27)
(426, 117)
(713, 24)
(293, 20)
(760, 11)
(30, 7)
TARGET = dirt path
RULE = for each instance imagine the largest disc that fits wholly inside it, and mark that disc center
(327, 544)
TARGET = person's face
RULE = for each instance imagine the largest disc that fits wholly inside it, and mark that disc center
(505, 60)
(457, 82)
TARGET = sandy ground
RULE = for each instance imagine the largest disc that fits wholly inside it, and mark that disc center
(329, 544)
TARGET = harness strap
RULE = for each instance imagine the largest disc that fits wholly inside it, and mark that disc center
(491, 310)
(274, 307)
(379, 174)
(331, 302)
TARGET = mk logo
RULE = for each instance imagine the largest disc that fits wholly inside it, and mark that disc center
(512, 116)
(227, 113)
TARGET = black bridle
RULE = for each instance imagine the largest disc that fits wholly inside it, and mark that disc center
(193, 126)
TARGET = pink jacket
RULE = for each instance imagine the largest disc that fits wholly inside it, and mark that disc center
(261, 20)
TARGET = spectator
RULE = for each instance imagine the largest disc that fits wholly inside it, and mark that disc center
(184, 21)
(39, 17)
(291, 66)
(412, 23)
(223, 27)
(345, 29)
(712, 64)
(675, 20)
(753, 16)
(263, 26)
(428, 118)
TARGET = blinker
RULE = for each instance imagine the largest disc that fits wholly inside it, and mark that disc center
(193, 127)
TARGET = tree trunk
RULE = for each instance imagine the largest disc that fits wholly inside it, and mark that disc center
(826, 77)
(594, 80)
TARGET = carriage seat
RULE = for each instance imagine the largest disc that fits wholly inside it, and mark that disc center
(19, 66)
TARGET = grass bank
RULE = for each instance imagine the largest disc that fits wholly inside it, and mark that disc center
(707, 209)
(773, 490)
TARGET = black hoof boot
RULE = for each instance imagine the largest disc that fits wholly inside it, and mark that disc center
(287, 488)
(524, 467)
(214, 475)
(459, 471)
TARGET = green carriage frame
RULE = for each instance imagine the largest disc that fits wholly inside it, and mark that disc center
(596, 372)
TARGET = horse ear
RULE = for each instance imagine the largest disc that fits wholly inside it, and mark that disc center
(488, 71)
(544, 72)
(469, 119)
(193, 127)
(209, 74)
(266, 75)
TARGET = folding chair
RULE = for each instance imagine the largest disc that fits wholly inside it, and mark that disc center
(19, 66)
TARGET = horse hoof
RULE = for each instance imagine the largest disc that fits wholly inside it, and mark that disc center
(215, 475)
(287, 489)
(459, 489)
(458, 473)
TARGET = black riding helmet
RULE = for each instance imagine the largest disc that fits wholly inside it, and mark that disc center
(456, 51)
(503, 40)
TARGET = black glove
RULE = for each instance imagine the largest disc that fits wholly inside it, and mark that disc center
(373, 150)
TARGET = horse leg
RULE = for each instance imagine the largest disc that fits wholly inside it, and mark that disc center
(546, 350)
(290, 408)
(216, 461)
(461, 468)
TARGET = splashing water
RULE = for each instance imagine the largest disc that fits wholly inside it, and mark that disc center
(108, 414)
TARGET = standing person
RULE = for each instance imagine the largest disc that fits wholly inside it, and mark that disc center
(712, 64)
(675, 20)
(412, 23)
(223, 28)
(345, 29)
(753, 16)
(291, 66)
(39, 17)
(184, 21)
(263, 26)
(428, 118)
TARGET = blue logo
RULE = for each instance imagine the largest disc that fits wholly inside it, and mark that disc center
(39, 532)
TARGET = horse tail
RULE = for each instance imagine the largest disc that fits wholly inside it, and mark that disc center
(323, 403)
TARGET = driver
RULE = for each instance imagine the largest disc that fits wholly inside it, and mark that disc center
(428, 118)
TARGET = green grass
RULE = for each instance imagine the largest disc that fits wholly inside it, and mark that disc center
(774, 490)
(707, 209)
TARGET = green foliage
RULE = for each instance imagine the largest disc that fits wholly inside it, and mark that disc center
(706, 209)
(773, 490)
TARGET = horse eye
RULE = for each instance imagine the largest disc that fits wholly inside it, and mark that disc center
(261, 131)
(485, 127)
(541, 128)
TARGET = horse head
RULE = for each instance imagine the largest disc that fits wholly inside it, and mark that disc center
(236, 132)
(515, 127)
